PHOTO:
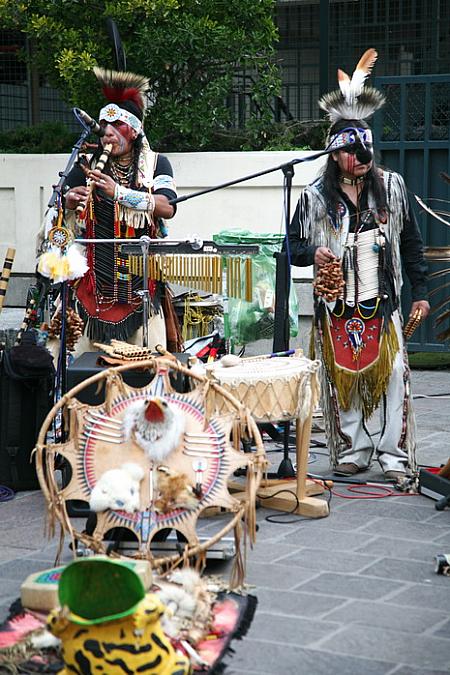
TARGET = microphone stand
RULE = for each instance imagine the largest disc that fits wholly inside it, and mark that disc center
(55, 199)
(283, 275)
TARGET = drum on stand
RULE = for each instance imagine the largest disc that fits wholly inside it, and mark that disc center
(277, 390)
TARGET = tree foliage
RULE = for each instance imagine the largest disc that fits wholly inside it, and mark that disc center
(193, 51)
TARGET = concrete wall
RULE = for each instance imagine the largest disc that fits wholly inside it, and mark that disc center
(256, 205)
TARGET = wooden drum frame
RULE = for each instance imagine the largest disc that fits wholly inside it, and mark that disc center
(286, 389)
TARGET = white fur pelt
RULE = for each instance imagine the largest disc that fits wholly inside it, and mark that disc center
(118, 489)
(189, 601)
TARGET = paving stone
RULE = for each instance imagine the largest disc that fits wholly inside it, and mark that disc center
(334, 540)
(18, 570)
(10, 553)
(264, 575)
(390, 645)
(31, 505)
(282, 659)
(289, 629)
(27, 536)
(440, 518)
(322, 559)
(394, 507)
(386, 615)
(9, 591)
(407, 670)
(271, 551)
(295, 603)
(396, 527)
(421, 595)
(406, 570)
(343, 518)
(309, 581)
(349, 586)
(401, 548)
(442, 631)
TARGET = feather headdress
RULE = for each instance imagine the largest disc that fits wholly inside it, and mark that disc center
(354, 101)
(124, 87)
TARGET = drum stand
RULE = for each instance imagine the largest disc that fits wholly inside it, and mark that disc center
(296, 496)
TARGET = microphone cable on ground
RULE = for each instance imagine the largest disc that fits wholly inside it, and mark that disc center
(6, 494)
(379, 489)
(280, 519)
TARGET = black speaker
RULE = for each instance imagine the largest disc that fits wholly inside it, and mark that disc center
(90, 363)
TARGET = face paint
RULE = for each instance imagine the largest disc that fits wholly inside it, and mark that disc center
(121, 136)
(349, 161)
(349, 165)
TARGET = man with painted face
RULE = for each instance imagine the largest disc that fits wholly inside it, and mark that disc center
(130, 198)
(359, 216)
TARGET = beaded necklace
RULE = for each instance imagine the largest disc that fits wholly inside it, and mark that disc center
(352, 181)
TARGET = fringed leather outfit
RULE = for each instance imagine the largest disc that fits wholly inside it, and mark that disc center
(359, 337)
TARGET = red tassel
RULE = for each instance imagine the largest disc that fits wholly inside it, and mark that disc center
(90, 282)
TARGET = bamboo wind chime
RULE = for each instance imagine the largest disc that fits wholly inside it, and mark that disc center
(6, 272)
(201, 272)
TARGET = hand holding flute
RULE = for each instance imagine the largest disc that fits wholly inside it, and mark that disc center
(77, 197)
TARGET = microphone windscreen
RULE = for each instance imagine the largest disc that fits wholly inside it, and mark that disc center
(363, 155)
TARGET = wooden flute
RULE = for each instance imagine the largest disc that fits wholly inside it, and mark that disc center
(90, 183)
(6, 272)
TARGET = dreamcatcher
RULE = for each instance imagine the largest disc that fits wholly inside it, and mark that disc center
(151, 459)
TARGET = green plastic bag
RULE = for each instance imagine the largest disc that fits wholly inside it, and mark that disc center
(250, 321)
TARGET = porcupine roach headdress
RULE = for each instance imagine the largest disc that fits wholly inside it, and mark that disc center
(127, 96)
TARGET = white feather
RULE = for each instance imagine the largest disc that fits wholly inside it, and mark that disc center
(77, 261)
(362, 72)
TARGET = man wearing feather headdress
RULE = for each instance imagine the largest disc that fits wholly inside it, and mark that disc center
(130, 198)
(355, 224)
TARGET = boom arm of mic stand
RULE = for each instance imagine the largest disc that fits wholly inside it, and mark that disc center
(279, 167)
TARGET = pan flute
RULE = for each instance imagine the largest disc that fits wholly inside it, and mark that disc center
(200, 272)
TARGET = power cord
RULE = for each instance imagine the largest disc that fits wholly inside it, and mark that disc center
(281, 518)
(6, 494)
(379, 490)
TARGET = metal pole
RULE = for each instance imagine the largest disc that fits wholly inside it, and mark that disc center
(324, 50)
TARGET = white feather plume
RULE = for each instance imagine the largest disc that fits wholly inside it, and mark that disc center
(353, 100)
(353, 87)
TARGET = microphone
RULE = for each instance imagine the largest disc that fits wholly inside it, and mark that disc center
(89, 121)
(363, 155)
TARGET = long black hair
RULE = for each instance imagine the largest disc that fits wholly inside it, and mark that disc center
(331, 173)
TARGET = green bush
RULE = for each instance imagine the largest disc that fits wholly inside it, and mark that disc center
(46, 137)
(193, 52)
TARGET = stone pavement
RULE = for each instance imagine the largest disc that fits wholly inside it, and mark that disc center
(353, 593)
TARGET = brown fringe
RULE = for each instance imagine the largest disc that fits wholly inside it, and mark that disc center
(362, 390)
